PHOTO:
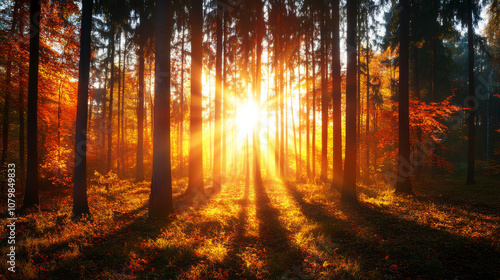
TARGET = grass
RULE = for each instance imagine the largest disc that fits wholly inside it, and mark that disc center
(282, 230)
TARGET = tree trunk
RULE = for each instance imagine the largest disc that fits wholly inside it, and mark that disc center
(31, 196)
(111, 88)
(308, 111)
(80, 205)
(139, 163)
(367, 130)
(349, 182)
(160, 199)
(196, 150)
(256, 139)
(471, 98)
(405, 168)
(336, 97)
(218, 104)
(324, 102)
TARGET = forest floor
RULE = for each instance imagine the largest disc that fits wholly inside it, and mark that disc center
(283, 230)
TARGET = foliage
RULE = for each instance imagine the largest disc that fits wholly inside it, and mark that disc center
(283, 231)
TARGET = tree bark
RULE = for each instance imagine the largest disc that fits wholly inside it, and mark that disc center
(405, 168)
(80, 204)
(31, 196)
(160, 199)
(218, 112)
(196, 150)
(111, 89)
(349, 182)
(472, 100)
(139, 163)
(336, 98)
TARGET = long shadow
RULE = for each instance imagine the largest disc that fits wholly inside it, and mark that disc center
(111, 252)
(414, 250)
(430, 251)
(273, 236)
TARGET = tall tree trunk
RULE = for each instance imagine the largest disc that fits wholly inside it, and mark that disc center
(324, 102)
(160, 199)
(218, 104)
(31, 196)
(111, 89)
(196, 121)
(367, 130)
(122, 149)
(308, 110)
(21, 107)
(181, 125)
(282, 118)
(139, 163)
(225, 95)
(472, 99)
(80, 205)
(313, 144)
(118, 138)
(349, 182)
(336, 97)
(405, 168)
(256, 139)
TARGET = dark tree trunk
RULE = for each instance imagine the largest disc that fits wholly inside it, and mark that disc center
(181, 125)
(349, 182)
(195, 142)
(405, 168)
(160, 199)
(313, 144)
(111, 89)
(224, 97)
(119, 103)
(367, 130)
(256, 139)
(308, 110)
(218, 112)
(80, 205)
(31, 196)
(21, 109)
(472, 99)
(336, 98)
(139, 177)
(324, 102)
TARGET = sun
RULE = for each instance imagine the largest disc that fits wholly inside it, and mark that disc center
(247, 116)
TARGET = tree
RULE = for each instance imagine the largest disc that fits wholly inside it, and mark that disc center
(80, 205)
(195, 141)
(111, 89)
(405, 168)
(160, 199)
(471, 98)
(256, 139)
(31, 196)
(336, 97)
(324, 99)
(140, 106)
(349, 183)
(218, 86)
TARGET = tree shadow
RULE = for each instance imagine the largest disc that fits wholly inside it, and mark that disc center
(381, 241)
(273, 236)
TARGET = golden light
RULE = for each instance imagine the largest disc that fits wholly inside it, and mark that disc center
(247, 116)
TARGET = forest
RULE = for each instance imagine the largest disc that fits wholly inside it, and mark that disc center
(250, 139)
